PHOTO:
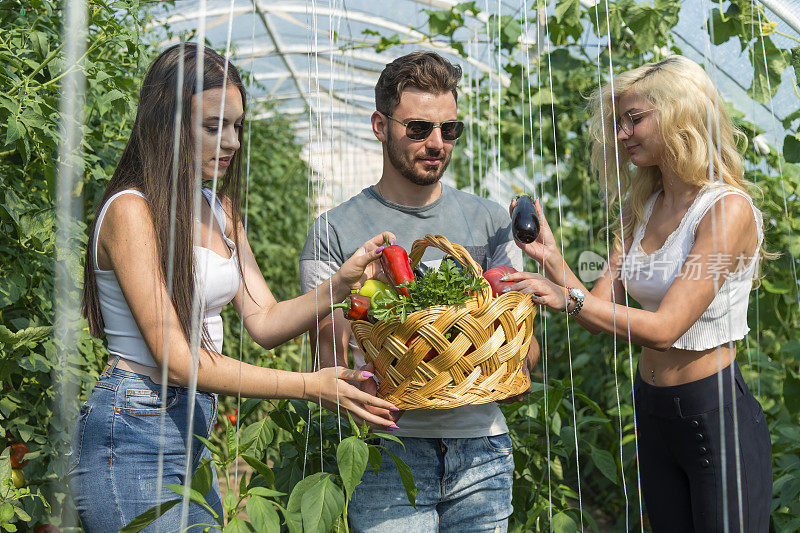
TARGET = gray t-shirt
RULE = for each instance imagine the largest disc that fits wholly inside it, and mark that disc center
(482, 226)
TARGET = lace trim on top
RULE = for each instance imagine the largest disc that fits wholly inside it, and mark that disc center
(672, 236)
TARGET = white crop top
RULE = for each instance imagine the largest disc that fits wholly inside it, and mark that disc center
(647, 277)
(217, 281)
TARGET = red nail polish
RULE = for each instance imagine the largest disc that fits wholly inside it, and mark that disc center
(366, 374)
(393, 408)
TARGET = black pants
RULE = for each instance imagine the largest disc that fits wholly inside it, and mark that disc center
(680, 456)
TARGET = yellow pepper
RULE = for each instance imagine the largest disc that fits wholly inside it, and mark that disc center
(373, 286)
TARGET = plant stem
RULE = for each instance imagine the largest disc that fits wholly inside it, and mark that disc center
(38, 69)
(792, 37)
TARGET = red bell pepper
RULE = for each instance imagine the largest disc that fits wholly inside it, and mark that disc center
(395, 264)
(493, 277)
(356, 307)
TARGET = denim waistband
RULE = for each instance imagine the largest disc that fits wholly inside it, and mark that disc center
(691, 398)
(113, 373)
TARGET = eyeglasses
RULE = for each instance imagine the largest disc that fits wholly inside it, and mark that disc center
(418, 130)
(626, 122)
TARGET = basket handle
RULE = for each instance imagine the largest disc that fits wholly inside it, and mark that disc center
(458, 252)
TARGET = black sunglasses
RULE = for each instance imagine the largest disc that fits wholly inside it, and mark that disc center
(418, 130)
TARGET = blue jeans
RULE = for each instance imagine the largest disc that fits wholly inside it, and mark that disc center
(463, 485)
(113, 465)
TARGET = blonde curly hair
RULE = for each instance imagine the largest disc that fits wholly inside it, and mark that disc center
(696, 129)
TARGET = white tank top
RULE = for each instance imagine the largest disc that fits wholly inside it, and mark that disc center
(647, 277)
(217, 281)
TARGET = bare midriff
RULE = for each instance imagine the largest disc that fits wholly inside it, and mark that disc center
(676, 367)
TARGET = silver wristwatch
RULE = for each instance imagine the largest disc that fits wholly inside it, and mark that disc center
(578, 296)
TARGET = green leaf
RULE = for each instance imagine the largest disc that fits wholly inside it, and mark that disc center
(791, 392)
(374, 457)
(14, 130)
(265, 492)
(605, 463)
(210, 445)
(193, 496)
(21, 514)
(230, 500)
(320, 506)
(351, 456)
(563, 523)
(555, 424)
(261, 468)
(201, 479)
(568, 11)
(248, 406)
(147, 517)
(723, 27)
(236, 525)
(6, 512)
(294, 519)
(791, 148)
(796, 62)
(780, 286)
(767, 72)
(260, 438)
(230, 439)
(262, 515)
(407, 478)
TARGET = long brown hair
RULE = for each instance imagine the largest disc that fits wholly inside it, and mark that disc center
(146, 165)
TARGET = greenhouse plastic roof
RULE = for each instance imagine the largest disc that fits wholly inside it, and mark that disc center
(317, 60)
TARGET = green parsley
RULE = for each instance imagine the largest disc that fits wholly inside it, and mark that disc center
(448, 285)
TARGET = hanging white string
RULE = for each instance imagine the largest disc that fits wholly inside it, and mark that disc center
(213, 204)
(542, 13)
(197, 301)
(471, 119)
(69, 168)
(611, 277)
(542, 317)
(561, 231)
(313, 85)
(196, 319)
(789, 221)
(246, 226)
(330, 158)
(622, 262)
(715, 159)
(499, 92)
(176, 138)
(755, 180)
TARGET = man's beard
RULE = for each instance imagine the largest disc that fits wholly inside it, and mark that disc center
(406, 164)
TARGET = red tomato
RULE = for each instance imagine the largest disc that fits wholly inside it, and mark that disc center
(18, 451)
(493, 277)
(232, 418)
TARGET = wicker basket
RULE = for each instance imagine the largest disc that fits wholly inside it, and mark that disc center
(484, 361)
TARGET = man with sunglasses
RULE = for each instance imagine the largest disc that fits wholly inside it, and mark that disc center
(460, 458)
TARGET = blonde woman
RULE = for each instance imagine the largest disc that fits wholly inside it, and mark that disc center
(687, 252)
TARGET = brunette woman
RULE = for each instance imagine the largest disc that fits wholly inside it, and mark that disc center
(162, 261)
(687, 251)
